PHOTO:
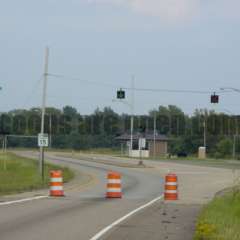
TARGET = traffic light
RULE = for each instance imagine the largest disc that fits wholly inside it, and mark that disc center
(214, 98)
(121, 94)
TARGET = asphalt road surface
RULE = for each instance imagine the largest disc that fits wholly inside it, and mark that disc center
(85, 211)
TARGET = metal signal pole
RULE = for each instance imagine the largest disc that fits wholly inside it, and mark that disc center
(130, 104)
(41, 162)
(132, 116)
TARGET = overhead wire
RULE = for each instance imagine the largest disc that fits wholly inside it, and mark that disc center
(33, 90)
(138, 89)
(173, 91)
(80, 79)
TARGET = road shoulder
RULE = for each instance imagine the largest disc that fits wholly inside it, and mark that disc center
(160, 222)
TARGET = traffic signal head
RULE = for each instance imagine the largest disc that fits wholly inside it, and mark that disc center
(214, 98)
(121, 94)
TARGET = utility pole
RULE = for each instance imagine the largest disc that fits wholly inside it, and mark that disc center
(41, 162)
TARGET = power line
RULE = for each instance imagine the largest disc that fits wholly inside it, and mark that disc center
(137, 89)
(34, 88)
(174, 91)
(80, 79)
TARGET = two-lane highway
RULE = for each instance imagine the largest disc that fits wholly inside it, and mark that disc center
(83, 212)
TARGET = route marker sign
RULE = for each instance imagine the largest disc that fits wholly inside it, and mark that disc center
(42, 140)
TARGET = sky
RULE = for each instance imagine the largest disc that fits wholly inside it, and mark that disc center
(97, 46)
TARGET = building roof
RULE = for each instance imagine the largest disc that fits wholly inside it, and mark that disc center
(148, 136)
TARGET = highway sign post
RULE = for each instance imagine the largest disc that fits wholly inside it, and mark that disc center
(41, 159)
(43, 140)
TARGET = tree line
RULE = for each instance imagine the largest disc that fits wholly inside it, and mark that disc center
(70, 129)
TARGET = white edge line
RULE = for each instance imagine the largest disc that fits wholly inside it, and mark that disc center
(105, 230)
(22, 200)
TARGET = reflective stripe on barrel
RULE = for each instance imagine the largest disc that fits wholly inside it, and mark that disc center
(56, 183)
(171, 187)
(114, 186)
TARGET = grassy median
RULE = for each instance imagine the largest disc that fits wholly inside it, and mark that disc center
(19, 174)
(220, 220)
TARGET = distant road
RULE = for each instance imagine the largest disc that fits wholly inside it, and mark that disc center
(85, 212)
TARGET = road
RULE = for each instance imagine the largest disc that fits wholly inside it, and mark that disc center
(85, 211)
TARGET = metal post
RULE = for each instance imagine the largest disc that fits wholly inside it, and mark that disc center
(5, 153)
(41, 162)
(132, 117)
(122, 152)
(154, 135)
(140, 161)
(131, 105)
(205, 133)
(50, 131)
(3, 144)
(234, 146)
(235, 139)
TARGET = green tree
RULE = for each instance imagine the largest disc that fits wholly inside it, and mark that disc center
(224, 148)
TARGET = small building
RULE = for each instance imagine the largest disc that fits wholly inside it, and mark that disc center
(160, 149)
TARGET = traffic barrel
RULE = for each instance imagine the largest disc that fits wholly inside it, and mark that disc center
(114, 186)
(171, 187)
(56, 183)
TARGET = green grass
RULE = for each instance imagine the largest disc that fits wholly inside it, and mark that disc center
(21, 174)
(220, 220)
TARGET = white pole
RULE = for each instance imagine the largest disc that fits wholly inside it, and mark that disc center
(132, 117)
(154, 135)
(41, 162)
(205, 132)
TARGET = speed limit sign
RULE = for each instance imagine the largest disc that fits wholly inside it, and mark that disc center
(42, 140)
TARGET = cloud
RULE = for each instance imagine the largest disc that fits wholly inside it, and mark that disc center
(175, 11)
(166, 10)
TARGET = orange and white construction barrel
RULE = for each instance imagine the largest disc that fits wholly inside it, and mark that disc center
(171, 187)
(114, 185)
(56, 183)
